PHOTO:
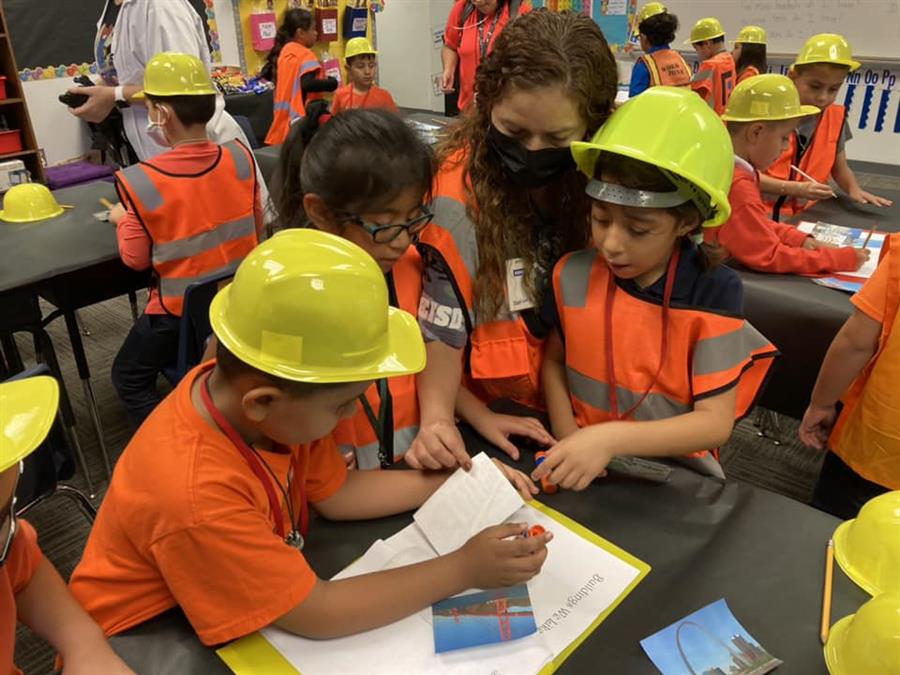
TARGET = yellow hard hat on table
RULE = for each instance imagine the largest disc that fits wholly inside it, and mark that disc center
(27, 411)
(357, 47)
(751, 35)
(674, 130)
(827, 48)
(29, 202)
(766, 98)
(176, 74)
(868, 642)
(706, 29)
(868, 547)
(312, 307)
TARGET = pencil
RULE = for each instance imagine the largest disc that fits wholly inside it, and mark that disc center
(869, 236)
(826, 592)
(808, 177)
(105, 203)
(436, 120)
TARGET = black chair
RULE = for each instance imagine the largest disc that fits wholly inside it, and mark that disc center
(50, 463)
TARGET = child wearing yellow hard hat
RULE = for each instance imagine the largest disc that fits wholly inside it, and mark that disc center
(817, 147)
(209, 506)
(749, 52)
(650, 355)
(715, 78)
(31, 590)
(191, 212)
(761, 115)
(659, 64)
(361, 90)
(861, 370)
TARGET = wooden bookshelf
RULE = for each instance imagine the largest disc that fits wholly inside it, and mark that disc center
(14, 107)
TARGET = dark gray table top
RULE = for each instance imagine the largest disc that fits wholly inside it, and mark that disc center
(35, 252)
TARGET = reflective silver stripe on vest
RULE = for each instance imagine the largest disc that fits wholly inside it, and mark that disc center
(594, 393)
(450, 214)
(241, 161)
(175, 288)
(142, 187)
(724, 352)
(205, 241)
(575, 277)
(367, 455)
(701, 75)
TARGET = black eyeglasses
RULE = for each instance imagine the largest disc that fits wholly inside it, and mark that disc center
(385, 234)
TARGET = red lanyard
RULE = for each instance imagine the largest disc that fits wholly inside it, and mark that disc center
(664, 338)
(253, 460)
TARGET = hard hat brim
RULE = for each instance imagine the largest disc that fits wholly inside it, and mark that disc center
(845, 562)
(405, 354)
(12, 219)
(805, 111)
(27, 411)
(138, 96)
(836, 637)
(849, 63)
(706, 39)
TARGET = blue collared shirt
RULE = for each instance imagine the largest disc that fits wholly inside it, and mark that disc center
(640, 76)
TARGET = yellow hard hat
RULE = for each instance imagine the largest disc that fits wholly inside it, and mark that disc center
(28, 202)
(648, 10)
(827, 48)
(868, 547)
(673, 129)
(752, 35)
(705, 29)
(27, 411)
(868, 642)
(313, 307)
(766, 98)
(358, 46)
(176, 74)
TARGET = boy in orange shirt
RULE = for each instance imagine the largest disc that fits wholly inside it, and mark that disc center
(862, 369)
(209, 504)
(31, 590)
(717, 74)
(762, 113)
(361, 91)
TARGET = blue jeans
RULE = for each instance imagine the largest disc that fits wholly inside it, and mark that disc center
(151, 345)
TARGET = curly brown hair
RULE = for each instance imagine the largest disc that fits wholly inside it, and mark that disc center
(538, 49)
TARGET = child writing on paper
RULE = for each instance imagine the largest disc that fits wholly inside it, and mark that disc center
(209, 505)
(749, 53)
(361, 91)
(761, 115)
(715, 78)
(660, 64)
(366, 176)
(861, 369)
(651, 355)
(817, 147)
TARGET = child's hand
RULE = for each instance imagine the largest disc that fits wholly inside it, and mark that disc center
(519, 480)
(862, 197)
(496, 429)
(494, 559)
(349, 459)
(116, 213)
(576, 460)
(814, 191)
(438, 445)
(814, 244)
(862, 255)
(816, 425)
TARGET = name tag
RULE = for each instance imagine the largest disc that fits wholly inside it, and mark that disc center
(516, 295)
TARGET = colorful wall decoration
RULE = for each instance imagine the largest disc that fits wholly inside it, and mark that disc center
(613, 16)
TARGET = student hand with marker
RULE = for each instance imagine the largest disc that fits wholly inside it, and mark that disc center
(500, 556)
(497, 428)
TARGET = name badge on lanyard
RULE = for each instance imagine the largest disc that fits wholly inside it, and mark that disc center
(516, 293)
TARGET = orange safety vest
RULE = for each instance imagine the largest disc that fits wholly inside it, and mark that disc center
(716, 78)
(504, 358)
(746, 73)
(289, 103)
(817, 159)
(199, 224)
(704, 352)
(358, 433)
(867, 434)
(667, 68)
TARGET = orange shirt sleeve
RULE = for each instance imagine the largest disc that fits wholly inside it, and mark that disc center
(24, 556)
(872, 298)
(326, 471)
(339, 102)
(453, 31)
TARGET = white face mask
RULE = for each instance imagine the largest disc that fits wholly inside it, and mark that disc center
(155, 130)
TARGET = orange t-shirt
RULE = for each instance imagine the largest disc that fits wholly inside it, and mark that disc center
(21, 564)
(345, 99)
(872, 297)
(186, 522)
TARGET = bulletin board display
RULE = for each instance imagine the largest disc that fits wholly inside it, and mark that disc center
(253, 60)
(613, 16)
(54, 39)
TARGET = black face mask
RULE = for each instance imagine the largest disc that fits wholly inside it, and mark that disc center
(529, 168)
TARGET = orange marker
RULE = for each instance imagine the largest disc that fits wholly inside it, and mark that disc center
(548, 487)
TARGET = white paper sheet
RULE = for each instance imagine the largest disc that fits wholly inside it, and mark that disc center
(465, 504)
(838, 235)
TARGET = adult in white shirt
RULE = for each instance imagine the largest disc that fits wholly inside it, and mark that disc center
(129, 34)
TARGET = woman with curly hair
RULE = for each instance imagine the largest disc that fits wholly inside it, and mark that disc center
(507, 204)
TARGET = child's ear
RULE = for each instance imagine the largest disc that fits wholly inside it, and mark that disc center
(792, 73)
(754, 130)
(257, 403)
(319, 213)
